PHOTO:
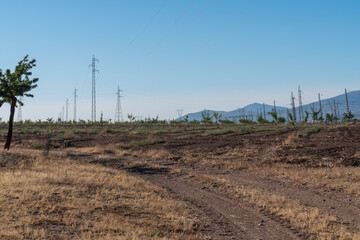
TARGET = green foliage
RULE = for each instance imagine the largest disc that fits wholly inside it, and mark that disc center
(14, 85)
(274, 115)
(315, 114)
(37, 145)
(147, 142)
(184, 137)
(261, 119)
(306, 116)
(206, 117)
(226, 121)
(217, 117)
(245, 121)
(79, 131)
(281, 120)
(142, 130)
(311, 130)
(330, 118)
(62, 138)
(347, 117)
(220, 131)
(291, 118)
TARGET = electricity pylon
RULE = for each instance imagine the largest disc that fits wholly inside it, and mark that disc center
(93, 95)
(118, 112)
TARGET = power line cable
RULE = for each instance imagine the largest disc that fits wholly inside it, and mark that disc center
(146, 26)
(189, 24)
(162, 38)
(214, 35)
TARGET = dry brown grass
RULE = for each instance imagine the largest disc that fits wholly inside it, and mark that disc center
(344, 177)
(52, 198)
(306, 218)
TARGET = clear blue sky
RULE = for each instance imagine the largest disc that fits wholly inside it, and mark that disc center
(180, 54)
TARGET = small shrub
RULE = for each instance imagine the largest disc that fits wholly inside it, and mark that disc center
(245, 121)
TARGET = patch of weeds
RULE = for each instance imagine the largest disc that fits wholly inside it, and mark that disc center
(176, 130)
(147, 142)
(310, 130)
(220, 131)
(264, 129)
(37, 145)
(79, 131)
(142, 130)
(110, 130)
(245, 129)
(184, 137)
(11, 159)
(94, 130)
(160, 131)
(62, 138)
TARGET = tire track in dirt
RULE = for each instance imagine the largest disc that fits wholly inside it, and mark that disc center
(342, 205)
(224, 217)
(334, 202)
(228, 218)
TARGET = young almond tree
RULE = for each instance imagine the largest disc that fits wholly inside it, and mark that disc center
(14, 85)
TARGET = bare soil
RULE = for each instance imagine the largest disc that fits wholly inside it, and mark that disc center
(196, 151)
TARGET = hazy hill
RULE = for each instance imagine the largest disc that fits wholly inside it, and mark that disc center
(253, 110)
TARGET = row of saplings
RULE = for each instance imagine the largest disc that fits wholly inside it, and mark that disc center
(13, 87)
(317, 116)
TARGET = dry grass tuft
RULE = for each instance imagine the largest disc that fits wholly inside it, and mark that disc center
(66, 200)
(344, 177)
(158, 153)
(291, 139)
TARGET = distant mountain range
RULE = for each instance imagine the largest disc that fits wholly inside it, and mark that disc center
(253, 110)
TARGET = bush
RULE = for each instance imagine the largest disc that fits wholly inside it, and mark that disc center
(245, 121)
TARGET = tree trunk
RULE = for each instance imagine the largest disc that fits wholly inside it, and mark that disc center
(11, 122)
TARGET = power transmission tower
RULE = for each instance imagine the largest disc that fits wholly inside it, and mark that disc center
(118, 112)
(19, 117)
(93, 95)
(347, 102)
(180, 111)
(75, 96)
(301, 113)
(293, 106)
(67, 109)
(320, 106)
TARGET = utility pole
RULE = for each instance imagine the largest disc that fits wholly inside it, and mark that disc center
(293, 106)
(62, 113)
(93, 95)
(118, 112)
(301, 113)
(274, 106)
(75, 96)
(180, 111)
(264, 111)
(347, 102)
(320, 106)
(67, 109)
(19, 117)
(335, 112)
